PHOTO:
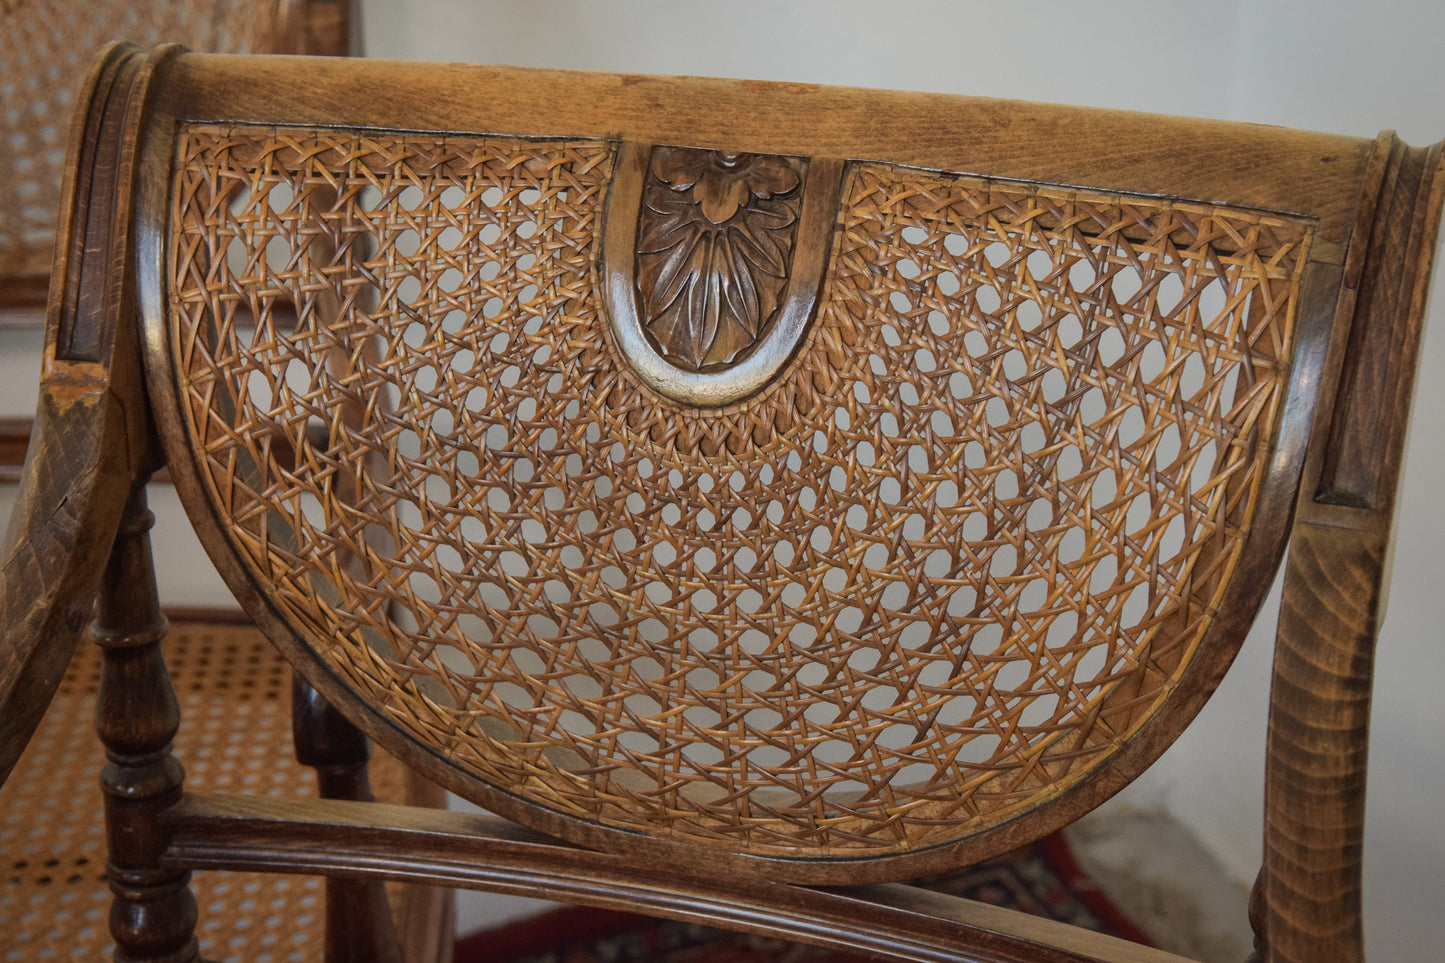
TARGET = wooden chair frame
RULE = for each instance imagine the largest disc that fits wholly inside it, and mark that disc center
(1373, 208)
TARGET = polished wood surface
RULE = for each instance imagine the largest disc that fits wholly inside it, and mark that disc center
(1321, 255)
(892, 921)
(1334, 588)
(1165, 156)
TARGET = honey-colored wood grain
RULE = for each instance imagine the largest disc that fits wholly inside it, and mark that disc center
(1314, 818)
(1334, 588)
(1168, 156)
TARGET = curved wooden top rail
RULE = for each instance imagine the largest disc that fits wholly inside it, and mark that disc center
(1248, 165)
(288, 323)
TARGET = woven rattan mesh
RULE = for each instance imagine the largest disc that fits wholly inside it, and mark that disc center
(943, 568)
(47, 49)
(234, 692)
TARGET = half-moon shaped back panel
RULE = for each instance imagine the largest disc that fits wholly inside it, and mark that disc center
(933, 576)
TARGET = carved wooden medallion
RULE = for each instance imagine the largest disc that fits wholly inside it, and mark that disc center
(712, 263)
(715, 240)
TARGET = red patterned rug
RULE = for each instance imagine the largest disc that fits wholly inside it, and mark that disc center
(1042, 879)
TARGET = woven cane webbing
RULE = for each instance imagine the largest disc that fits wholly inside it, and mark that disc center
(942, 569)
(48, 47)
(234, 692)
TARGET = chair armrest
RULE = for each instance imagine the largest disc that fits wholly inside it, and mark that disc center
(90, 443)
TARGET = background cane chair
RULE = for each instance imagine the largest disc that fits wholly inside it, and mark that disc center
(752, 494)
(48, 45)
(42, 68)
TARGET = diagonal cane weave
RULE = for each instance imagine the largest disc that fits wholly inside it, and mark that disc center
(939, 571)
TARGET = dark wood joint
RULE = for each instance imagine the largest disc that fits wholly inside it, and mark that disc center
(328, 743)
(90, 439)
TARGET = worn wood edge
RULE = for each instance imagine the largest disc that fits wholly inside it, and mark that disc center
(78, 299)
(1363, 450)
(481, 852)
(89, 445)
(1372, 187)
(1335, 588)
(1378, 172)
(72, 492)
(1071, 146)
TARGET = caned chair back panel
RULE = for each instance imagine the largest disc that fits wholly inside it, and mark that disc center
(960, 562)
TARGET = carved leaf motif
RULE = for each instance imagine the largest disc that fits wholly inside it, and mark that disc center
(713, 251)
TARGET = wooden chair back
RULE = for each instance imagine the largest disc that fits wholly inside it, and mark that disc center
(744, 488)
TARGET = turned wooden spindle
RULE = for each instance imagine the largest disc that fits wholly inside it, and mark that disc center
(153, 915)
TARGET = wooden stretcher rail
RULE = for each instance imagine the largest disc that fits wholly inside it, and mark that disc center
(891, 920)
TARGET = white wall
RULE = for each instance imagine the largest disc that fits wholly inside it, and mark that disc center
(1328, 66)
